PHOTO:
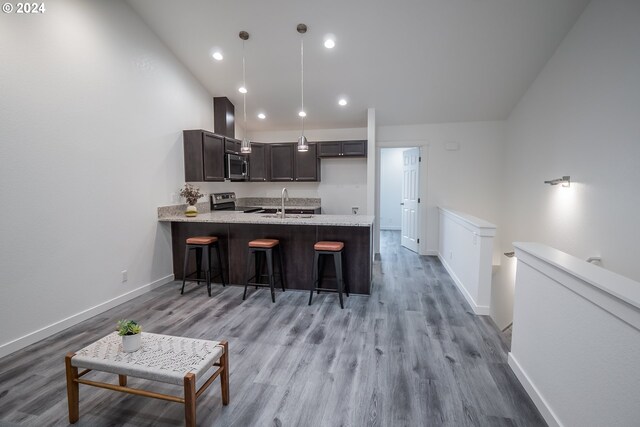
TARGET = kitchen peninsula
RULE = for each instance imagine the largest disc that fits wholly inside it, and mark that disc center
(297, 234)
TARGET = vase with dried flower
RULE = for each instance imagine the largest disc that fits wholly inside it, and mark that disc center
(192, 194)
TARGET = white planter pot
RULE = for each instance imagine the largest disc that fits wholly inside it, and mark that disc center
(131, 343)
(191, 211)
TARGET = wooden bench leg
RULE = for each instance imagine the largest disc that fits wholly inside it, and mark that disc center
(73, 397)
(190, 399)
(224, 375)
(122, 380)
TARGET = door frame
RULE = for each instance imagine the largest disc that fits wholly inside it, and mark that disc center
(422, 208)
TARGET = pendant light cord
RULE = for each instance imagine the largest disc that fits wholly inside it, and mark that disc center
(244, 95)
(302, 76)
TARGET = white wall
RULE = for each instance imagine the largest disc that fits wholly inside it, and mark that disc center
(576, 339)
(93, 106)
(465, 249)
(579, 118)
(391, 188)
(343, 181)
(467, 180)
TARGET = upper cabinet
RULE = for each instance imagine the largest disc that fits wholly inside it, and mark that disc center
(232, 146)
(307, 164)
(281, 161)
(203, 156)
(258, 164)
(356, 148)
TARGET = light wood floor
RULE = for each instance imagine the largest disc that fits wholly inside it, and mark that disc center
(411, 354)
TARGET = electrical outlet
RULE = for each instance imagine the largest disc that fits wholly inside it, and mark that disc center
(354, 210)
(124, 275)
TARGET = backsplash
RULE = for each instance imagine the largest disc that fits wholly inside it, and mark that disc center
(275, 201)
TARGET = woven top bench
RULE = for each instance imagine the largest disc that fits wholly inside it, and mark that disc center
(161, 358)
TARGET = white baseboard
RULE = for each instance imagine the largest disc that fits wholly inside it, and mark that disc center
(391, 228)
(431, 252)
(538, 400)
(54, 328)
(482, 310)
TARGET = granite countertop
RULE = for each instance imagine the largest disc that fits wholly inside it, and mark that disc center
(232, 217)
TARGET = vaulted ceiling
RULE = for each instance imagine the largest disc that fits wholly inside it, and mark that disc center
(415, 61)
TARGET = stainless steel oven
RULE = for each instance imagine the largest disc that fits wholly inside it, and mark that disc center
(227, 202)
(236, 168)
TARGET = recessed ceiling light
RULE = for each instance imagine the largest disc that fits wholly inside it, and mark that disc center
(262, 116)
(329, 41)
(302, 114)
(217, 56)
(342, 102)
(242, 89)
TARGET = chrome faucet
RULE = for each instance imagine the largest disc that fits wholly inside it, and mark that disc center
(285, 193)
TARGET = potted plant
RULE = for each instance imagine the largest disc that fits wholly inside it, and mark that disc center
(131, 333)
(192, 194)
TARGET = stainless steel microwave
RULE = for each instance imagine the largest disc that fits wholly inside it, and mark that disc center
(236, 168)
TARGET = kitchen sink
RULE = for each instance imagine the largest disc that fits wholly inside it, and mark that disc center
(287, 216)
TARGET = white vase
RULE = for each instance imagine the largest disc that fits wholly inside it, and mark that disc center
(131, 343)
(191, 211)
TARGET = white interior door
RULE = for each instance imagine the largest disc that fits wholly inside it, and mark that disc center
(410, 180)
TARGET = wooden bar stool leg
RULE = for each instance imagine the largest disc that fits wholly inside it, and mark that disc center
(314, 274)
(73, 394)
(272, 280)
(247, 272)
(224, 376)
(184, 270)
(337, 259)
(190, 399)
(122, 380)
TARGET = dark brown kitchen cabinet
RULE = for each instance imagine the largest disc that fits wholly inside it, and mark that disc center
(357, 148)
(258, 165)
(281, 161)
(203, 156)
(307, 164)
(231, 146)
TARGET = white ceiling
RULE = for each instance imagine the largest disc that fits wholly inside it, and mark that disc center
(415, 61)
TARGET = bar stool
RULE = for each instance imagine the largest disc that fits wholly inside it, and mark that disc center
(203, 246)
(334, 249)
(266, 247)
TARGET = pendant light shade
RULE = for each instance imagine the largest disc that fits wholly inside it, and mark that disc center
(303, 144)
(245, 145)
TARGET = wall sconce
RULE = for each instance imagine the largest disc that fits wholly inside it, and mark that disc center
(565, 181)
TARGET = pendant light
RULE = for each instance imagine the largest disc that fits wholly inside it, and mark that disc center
(303, 145)
(245, 146)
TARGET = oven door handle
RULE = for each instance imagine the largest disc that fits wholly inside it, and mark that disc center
(245, 169)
